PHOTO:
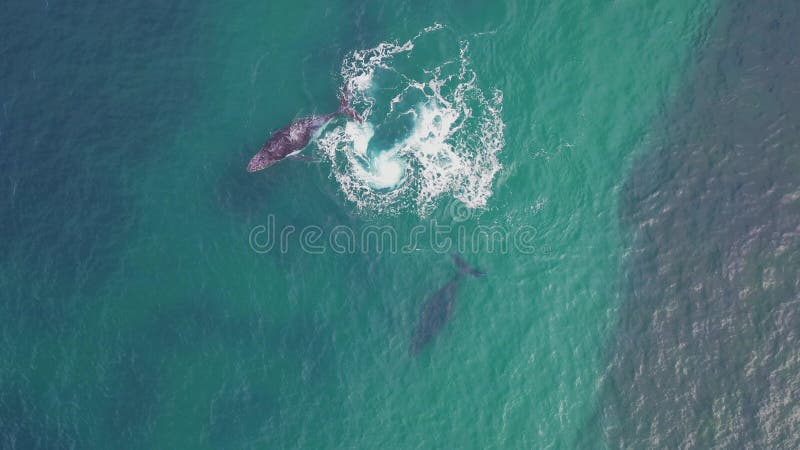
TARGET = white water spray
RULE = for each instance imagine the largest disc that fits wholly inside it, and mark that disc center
(449, 132)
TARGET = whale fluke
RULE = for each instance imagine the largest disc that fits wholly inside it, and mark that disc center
(464, 268)
(345, 108)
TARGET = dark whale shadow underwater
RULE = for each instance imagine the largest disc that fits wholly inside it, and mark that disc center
(439, 307)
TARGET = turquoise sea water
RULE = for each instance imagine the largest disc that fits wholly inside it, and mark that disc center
(138, 314)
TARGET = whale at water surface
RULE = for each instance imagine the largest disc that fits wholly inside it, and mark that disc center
(292, 138)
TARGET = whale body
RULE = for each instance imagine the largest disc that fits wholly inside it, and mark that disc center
(439, 307)
(294, 137)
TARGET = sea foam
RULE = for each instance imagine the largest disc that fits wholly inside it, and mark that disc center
(427, 135)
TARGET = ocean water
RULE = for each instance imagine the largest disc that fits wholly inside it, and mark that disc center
(639, 161)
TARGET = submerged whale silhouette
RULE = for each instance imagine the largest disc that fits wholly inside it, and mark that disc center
(294, 137)
(439, 306)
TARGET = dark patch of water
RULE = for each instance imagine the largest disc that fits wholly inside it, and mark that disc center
(706, 353)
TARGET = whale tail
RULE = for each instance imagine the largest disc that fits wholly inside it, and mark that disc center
(345, 108)
(464, 268)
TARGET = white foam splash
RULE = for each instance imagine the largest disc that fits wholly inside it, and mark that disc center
(454, 133)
